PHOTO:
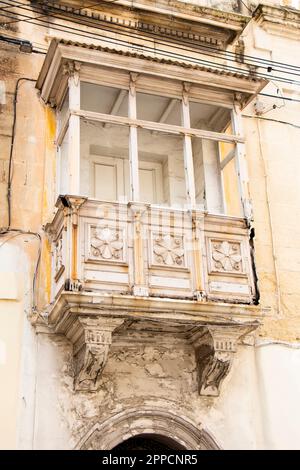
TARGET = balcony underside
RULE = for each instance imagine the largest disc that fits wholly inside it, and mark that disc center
(95, 323)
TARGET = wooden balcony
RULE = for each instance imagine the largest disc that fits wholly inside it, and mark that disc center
(148, 251)
(133, 272)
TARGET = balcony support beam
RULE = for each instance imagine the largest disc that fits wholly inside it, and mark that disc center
(214, 352)
(91, 338)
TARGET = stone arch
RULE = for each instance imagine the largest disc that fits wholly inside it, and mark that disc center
(146, 421)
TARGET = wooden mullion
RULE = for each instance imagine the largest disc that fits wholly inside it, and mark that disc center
(156, 126)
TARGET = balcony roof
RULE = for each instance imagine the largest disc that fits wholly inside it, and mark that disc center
(62, 50)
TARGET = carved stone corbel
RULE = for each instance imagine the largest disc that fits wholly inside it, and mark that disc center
(91, 340)
(214, 355)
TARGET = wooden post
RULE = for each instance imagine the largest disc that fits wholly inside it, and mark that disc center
(72, 69)
(139, 287)
(198, 246)
(187, 148)
(241, 164)
(133, 142)
(73, 282)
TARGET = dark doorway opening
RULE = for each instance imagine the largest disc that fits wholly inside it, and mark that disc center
(149, 442)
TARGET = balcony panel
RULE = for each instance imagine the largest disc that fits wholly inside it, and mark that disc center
(105, 248)
(142, 250)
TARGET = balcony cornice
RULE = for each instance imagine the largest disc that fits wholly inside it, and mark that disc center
(281, 21)
(157, 11)
(72, 304)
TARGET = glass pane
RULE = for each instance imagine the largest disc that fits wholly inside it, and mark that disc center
(103, 99)
(65, 106)
(161, 168)
(229, 173)
(208, 184)
(158, 109)
(206, 116)
(199, 173)
(231, 190)
(104, 161)
(63, 172)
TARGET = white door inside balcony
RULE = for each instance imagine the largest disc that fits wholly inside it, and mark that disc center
(151, 182)
(109, 179)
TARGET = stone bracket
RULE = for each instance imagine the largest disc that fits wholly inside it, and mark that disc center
(214, 356)
(91, 340)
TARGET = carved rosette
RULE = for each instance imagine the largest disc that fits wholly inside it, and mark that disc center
(168, 250)
(214, 356)
(106, 244)
(226, 256)
(91, 350)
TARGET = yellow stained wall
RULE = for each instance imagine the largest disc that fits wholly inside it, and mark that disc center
(35, 129)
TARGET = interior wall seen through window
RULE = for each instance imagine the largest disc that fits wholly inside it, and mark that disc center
(104, 152)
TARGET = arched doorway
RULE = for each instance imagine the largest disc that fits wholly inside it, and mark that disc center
(148, 426)
(149, 442)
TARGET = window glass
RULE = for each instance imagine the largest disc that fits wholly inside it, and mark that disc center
(104, 161)
(231, 191)
(161, 168)
(209, 117)
(158, 109)
(63, 172)
(103, 99)
(63, 110)
(208, 185)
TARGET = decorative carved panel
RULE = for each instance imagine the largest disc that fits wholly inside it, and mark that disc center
(58, 257)
(106, 244)
(226, 256)
(168, 250)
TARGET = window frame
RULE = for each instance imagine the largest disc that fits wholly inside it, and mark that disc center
(72, 118)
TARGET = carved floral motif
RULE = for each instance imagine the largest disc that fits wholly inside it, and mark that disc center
(106, 244)
(227, 256)
(168, 250)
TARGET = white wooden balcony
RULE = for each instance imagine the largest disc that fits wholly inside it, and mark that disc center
(148, 251)
(121, 271)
